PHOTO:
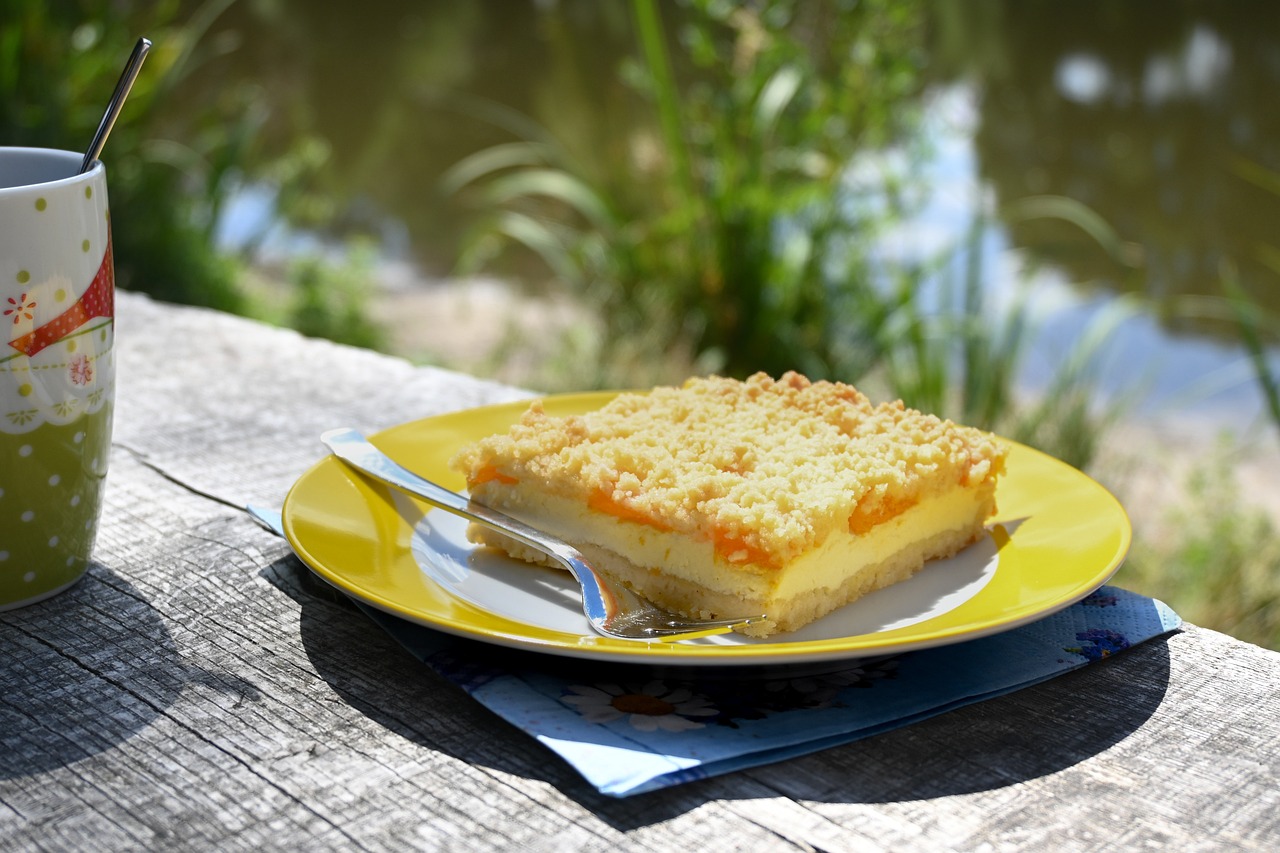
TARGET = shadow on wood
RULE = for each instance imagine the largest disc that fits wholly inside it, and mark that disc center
(999, 742)
(381, 680)
(82, 672)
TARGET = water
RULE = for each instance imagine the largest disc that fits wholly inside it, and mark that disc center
(1145, 366)
(1157, 115)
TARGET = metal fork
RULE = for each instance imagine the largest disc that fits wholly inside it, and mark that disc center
(611, 608)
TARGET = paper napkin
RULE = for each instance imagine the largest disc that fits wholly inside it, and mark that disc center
(627, 729)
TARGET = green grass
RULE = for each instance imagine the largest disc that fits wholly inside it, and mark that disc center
(1213, 557)
(321, 296)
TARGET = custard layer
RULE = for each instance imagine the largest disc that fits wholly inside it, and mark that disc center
(686, 574)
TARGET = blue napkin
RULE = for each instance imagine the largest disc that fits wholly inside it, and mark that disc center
(628, 729)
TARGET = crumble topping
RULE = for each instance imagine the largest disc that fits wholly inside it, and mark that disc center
(766, 469)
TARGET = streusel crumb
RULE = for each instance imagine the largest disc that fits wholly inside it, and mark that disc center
(765, 468)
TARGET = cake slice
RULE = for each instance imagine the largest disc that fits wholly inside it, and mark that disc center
(724, 498)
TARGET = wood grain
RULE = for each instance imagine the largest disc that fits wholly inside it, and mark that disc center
(200, 690)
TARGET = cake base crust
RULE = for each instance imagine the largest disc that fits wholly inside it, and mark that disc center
(784, 615)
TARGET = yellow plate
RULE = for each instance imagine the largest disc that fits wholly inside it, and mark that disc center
(1059, 536)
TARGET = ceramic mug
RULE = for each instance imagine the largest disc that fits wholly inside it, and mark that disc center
(57, 370)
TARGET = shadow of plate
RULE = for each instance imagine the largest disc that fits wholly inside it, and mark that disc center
(378, 678)
(1033, 733)
(1002, 741)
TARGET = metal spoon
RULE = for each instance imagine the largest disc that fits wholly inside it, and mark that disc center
(130, 73)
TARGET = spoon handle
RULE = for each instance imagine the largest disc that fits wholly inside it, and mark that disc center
(130, 73)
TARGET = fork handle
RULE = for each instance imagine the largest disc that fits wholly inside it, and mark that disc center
(354, 449)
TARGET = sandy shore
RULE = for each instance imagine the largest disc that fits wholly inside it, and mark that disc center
(477, 325)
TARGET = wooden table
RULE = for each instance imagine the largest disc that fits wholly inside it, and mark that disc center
(198, 690)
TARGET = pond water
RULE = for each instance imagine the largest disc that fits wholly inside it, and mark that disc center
(1158, 115)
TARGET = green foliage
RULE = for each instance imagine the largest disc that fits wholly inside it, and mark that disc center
(737, 237)
(1255, 325)
(1252, 321)
(180, 146)
(58, 65)
(960, 358)
(734, 231)
(331, 300)
(1218, 564)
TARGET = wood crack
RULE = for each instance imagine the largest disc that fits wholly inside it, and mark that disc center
(142, 459)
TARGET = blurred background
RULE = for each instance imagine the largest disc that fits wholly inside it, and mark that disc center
(1055, 221)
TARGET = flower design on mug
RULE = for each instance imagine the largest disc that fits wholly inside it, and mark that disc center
(81, 370)
(21, 308)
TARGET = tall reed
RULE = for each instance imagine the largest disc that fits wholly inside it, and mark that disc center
(738, 235)
(948, 345)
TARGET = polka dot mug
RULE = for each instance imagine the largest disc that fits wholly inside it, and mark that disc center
(57, 370)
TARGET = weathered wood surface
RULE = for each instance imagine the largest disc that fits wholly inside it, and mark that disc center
(198, 691)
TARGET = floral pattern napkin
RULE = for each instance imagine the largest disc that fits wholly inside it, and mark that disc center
(628, 729)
